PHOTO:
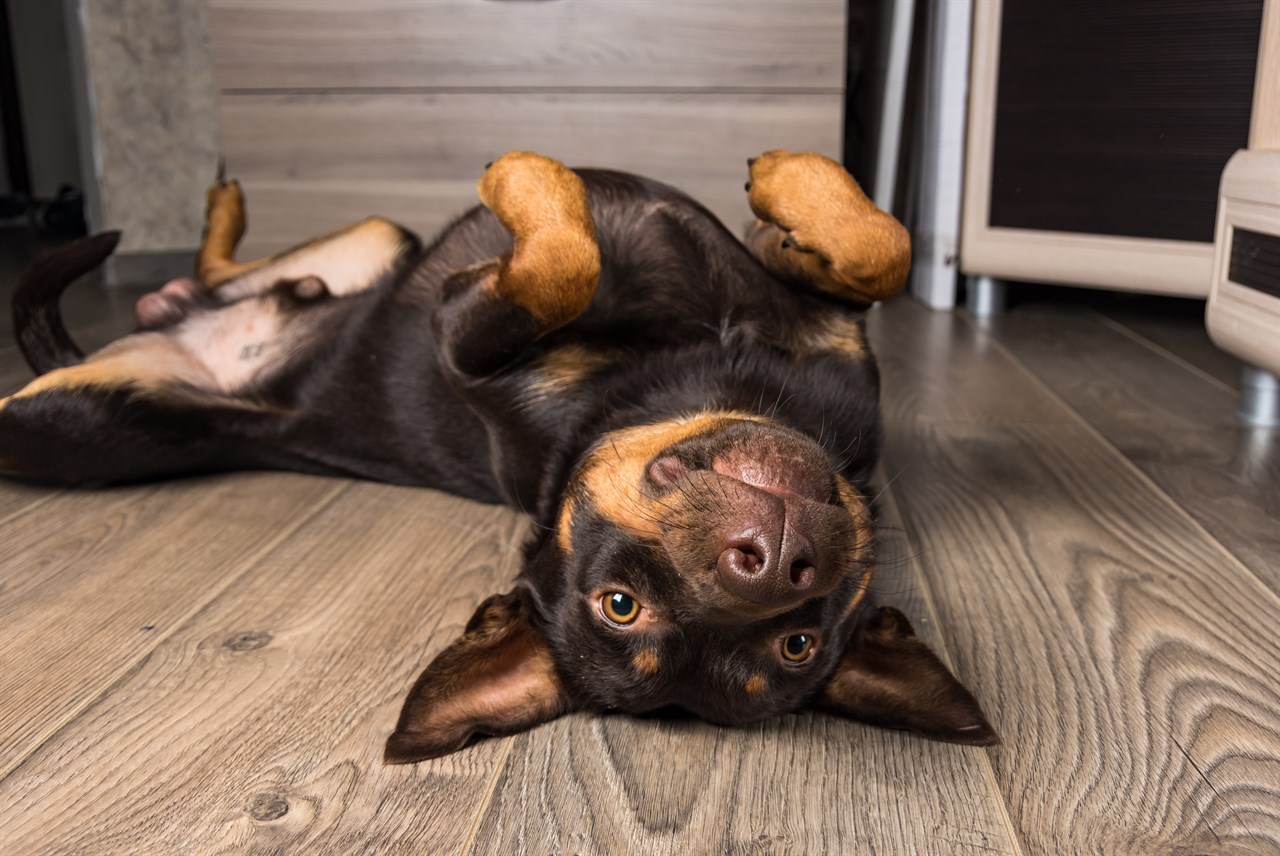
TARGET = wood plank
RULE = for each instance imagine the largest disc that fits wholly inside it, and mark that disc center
(130, 565)
(309, 163)
(1178, 426)
(258, 726)
(572, 43)
(807, 783)
(1177, 327)
(17, 499)
(1130, 664)
(934, 367)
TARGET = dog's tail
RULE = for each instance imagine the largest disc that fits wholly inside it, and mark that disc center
(37, 318)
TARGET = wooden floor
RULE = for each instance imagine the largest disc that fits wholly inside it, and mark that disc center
(1073, 517)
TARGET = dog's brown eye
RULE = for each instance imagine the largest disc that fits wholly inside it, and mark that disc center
(797, 647)
(619, 608)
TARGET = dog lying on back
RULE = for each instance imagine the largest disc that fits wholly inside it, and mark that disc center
(691, 422)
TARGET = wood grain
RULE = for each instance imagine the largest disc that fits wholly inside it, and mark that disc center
(1135, 677)
(17, 498)
(568, 43)
(802, 784)
(935, 367)
(258, 727)
(1178, 426)
(314, 162)
(93, 580)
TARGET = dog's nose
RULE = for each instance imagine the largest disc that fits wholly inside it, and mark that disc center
(767, 564)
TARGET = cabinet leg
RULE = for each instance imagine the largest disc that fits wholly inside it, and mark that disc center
(1259, 398)
(984, 296)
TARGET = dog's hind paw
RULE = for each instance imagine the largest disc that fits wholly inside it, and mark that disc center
(553, 269)
(809, 204)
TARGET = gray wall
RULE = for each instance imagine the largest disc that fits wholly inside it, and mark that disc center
(149, 122)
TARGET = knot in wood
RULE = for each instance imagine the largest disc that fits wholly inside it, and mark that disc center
(267, 807)
(248, 640)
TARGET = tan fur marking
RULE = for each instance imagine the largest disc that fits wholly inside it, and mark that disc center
(564, 526)
(614, 472)
(554, 265)
(860, 511)
(561, 370)
(347, 261)
(844, 244)
(144, 362)
(756, 684)
(646, 663)
(838, 333)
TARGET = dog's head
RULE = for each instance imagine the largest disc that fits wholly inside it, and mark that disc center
(716, 564)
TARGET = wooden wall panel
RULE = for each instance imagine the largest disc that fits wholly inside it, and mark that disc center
(312, 162)
(289, 44)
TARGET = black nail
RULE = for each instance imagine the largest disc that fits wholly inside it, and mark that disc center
(751, 162)
(747, 187)
(787, 243)
(489, 164)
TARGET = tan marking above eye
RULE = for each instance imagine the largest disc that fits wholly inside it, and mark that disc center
(564, 526)
(756, 684)
(646, 662)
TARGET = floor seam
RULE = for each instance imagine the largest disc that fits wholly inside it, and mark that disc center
(1164, 352)
(478, 818)
(501, 767)
(926, 594)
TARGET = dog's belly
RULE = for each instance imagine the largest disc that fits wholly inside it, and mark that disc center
(236, 346)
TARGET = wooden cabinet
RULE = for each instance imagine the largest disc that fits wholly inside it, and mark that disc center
(330, 111)
(1097, 133)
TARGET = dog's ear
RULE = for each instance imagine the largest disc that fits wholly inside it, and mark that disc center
(889, 677)
(497, 678)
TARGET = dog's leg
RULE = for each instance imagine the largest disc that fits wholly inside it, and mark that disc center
(495, 309)
(816, 224)
(224, 225)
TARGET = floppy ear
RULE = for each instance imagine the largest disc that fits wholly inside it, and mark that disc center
(889, 677)
(497, 678)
